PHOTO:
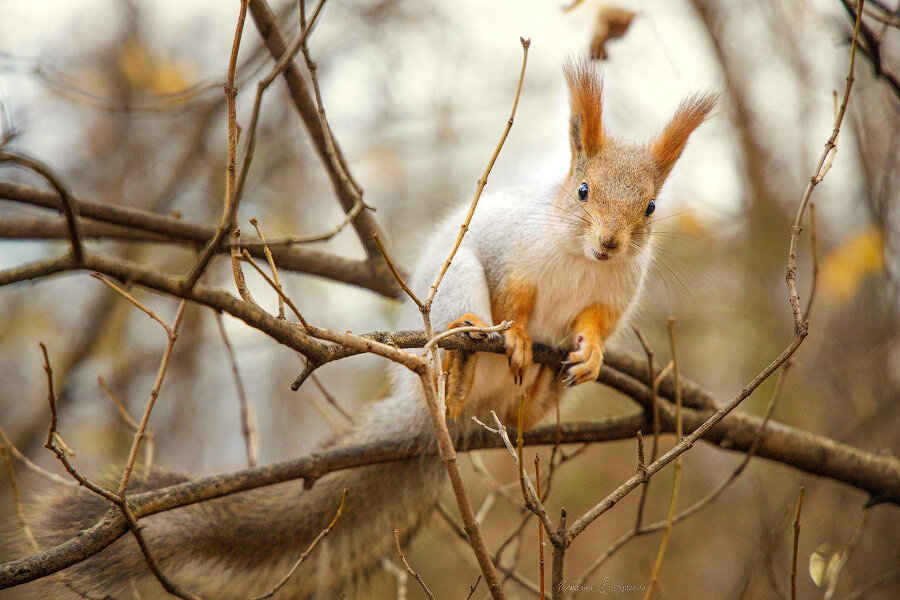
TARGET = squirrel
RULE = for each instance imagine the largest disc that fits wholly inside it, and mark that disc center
(564, 263)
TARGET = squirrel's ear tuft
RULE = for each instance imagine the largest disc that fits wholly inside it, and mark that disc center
(585, 98)
(690, 115)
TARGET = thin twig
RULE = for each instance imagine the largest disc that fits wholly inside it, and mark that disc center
(800, 326)
(129, 422)
(409, 569)
(796, 546)
(483, 181)
(676, 476)
(137, 531)
(309, 549)
(171, 336)
(308, 239)
(249, 259)
(537, 478)
(232, 198)
(17, 498)
(651, 400)
(532, 500)
(474, 587)
(395, 272)
(236, 270)
(65, 198)
(251, 443)
(132, 299)
(7, 443)
(271, 260)
(53, 437)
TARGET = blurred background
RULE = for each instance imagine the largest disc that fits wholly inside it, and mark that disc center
(123, 99)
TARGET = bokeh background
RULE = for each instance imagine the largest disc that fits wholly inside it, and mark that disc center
(124, 100)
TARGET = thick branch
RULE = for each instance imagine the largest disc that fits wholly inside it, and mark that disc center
(309, 468)
(878, 475)
(147, 226)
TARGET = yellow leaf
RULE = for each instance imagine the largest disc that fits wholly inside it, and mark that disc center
(822, 564)
(146, 71)
(845, 268)
(693, 223)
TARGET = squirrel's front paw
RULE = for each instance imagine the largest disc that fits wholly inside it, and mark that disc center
(584, 362)
(518, 349)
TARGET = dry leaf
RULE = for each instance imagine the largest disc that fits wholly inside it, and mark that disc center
(146, 71)
(822, 564)
(846, 267)
(612, 22)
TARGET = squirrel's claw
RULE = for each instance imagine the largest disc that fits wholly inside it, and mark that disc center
(518, 350)
(460, 366)
(470, 320)
(583, 363)
(476, 335)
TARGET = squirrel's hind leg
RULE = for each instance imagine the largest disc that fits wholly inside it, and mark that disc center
(460, 367)
(463, 300)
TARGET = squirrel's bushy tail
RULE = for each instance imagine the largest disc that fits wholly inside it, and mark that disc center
(240, 546)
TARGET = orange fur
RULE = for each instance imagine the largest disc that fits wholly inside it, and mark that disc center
(514, 301)
(690, 115)
(596, 322)
(533, 412)
(460, 368)
(585, 97)
(591, 328)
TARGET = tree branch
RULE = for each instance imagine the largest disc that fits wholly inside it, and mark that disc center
(346, 192)
(140, 225)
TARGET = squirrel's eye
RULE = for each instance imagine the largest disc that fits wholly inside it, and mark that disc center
(650, 208)
(583, 191)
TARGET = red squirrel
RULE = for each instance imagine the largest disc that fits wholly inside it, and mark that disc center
(564, 263)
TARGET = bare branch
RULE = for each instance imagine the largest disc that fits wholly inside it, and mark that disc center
(483, 181)
(796, 546)
(144, 225)
(232, 197)
(65, 204)
(409, 568)
(250, 442)
(346, 192)
(271, 262)
(171, 336)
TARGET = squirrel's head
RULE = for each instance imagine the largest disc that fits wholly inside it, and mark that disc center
(610, 193)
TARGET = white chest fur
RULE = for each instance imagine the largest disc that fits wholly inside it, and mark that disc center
(566, 287)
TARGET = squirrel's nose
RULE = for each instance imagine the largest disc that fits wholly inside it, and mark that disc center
(610, 242)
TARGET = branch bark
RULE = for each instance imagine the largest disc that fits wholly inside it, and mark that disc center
(878, 475)
(140, 225)
(347, 194)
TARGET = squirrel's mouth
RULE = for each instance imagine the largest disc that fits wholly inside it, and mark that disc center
(601, 256)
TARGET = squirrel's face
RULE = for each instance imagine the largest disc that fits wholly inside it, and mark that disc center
(610, 200)
(609, 197)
